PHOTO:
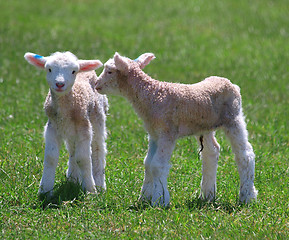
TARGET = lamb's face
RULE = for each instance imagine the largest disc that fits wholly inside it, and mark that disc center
(107, 82)
(61, 68)
(61, 74)
(117, 70)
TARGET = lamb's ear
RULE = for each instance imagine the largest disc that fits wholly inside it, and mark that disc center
(121, 63)
(89, 65)
(145, 59)
(35, 59)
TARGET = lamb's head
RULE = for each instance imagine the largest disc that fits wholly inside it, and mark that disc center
(117, 69)
(61, 68)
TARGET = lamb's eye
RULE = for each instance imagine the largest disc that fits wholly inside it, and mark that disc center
(73, 72)
(49, 69)
(109, 72)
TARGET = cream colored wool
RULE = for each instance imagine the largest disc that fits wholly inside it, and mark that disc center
(76, 114)
(173, 110)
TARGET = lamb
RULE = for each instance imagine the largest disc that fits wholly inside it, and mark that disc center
(171, 111)
(76, 114)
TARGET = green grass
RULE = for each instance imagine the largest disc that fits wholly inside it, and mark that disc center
(245, 41)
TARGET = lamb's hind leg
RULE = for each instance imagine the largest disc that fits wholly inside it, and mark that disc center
(98, 147)
(83, 158)
(210, 156)
(73, 172)
(244, 156)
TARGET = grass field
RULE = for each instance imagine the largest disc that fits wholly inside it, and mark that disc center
(245, 41)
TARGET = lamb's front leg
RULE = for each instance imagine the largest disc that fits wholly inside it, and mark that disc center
(160, 167)
(51, 156)
(147, 188)
(98, 162)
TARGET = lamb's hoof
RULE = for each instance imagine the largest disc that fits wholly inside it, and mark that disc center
(160, 200)
(90, 190)
(248, 196)
(99, 189)
(160, 203)
(45, 195)
(208, 198)
(143, 199)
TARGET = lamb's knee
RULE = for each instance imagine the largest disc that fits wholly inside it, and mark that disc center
(83, 161)
(147, 165)
(159, 170)
(51, 159)
(245, 159)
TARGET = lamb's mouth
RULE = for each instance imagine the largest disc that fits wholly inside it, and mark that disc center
(98, 88)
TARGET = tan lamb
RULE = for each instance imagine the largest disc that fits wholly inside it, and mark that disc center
(173, 110)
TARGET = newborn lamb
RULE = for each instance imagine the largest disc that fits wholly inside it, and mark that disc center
(76, 114)
(171, 111)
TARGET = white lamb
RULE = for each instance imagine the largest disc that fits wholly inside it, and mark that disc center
(173, 110)
(76, 114)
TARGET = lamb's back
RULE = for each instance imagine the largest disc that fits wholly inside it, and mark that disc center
(204, 105)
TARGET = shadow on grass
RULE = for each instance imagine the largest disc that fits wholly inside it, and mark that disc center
(194, 204)
(62, 193)
(139, 206)
(217, 205)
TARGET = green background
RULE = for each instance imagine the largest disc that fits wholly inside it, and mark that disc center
(245, 41)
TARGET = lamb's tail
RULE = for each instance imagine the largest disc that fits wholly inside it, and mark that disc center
(233, 101)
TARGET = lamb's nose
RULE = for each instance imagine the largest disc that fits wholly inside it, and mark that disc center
(59, 85)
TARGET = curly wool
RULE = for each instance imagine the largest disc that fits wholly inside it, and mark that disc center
(189, 109)
(173, 110)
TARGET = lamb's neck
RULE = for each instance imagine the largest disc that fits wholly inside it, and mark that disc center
(57, 106)
(139, 90)
(130, 87)
(57, 99)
